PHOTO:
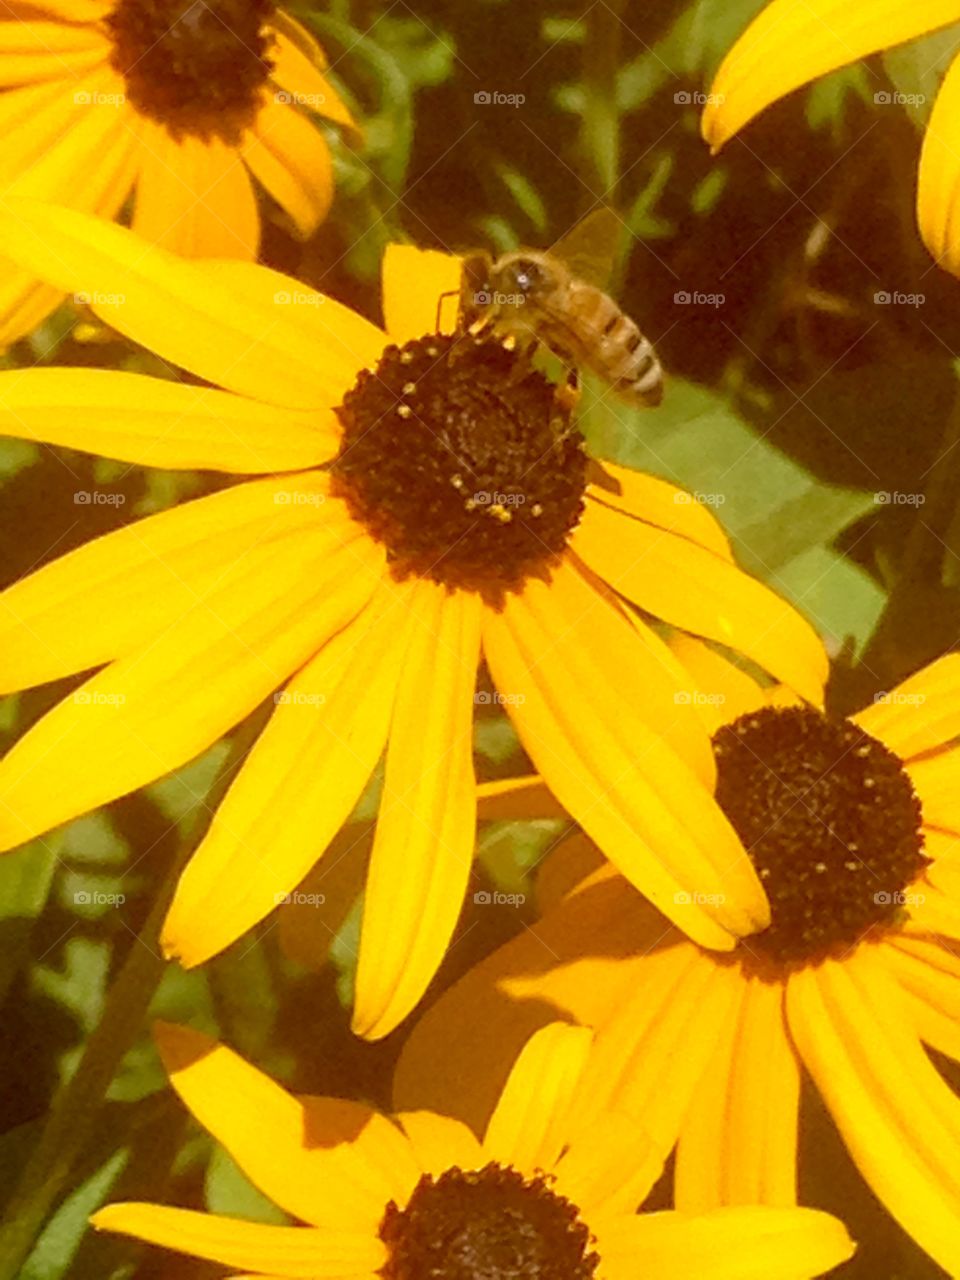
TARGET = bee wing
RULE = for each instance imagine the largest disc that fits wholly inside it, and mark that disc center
(591, 248)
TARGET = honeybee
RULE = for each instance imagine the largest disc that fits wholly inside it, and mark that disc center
(557, 298)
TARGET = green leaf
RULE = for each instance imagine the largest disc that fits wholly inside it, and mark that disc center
(774, 510)
(510, 851)
(178, 795)
(54, 1251)
(16, 455)
(916, 70)
(230, 1192)
(496, 739)
(25, 880)
(843, 601)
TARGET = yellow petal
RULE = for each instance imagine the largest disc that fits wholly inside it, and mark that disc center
(331, 1163)
(35, 51)
(413, 282)
(933, 905)
(151, 711)
(440, 1142)
(156, 423)
(789, 44)
(512, 799)
(676, 580)
(423, 847)
(591, 702)
(298, 785)
(938, 191)
(344, 341)
(750, 1243)
(287, 1251)
(722, 690)
(303, 81)
(922, 713)
(935, 780)
(118, 592)
(650, 1056)
(899, 1119)
(290, 157)
(531, 1124)
(194, 197)
(38, 119)
(580, 963)
(87, 159)
(176, 308)
(73, 10)
(929, 974)
(653, 501)
(739, 1139)
(609, 1168)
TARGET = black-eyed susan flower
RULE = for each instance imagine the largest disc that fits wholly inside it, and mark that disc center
(854, 828)
(434, 507)
(792, 42)
(419, 1195)
(187, 105)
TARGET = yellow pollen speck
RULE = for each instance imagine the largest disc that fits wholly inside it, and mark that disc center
(851, 866)
(432, 351)
(820, 867)
(869, 782)
(406, 357)
(536, 509)
(509, 343)
(457, 481)
(409, 388)
(404, 411)
(862, 752)
(500, 513)
(469, 504)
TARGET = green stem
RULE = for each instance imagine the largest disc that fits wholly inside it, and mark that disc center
(75, 1110)
(600, 135)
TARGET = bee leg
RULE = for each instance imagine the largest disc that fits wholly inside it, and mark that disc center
(451, 293)
(567, 393)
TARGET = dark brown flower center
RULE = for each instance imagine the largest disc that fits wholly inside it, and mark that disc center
(491, 1224)
(458, 458)
(829, 818)
(196, 66)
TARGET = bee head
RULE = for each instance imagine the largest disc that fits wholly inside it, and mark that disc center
(521, 276)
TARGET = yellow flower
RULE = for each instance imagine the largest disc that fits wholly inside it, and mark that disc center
(792, 42)
(367, 593)
(858, 971)
(418, 1195)
(181, 104)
